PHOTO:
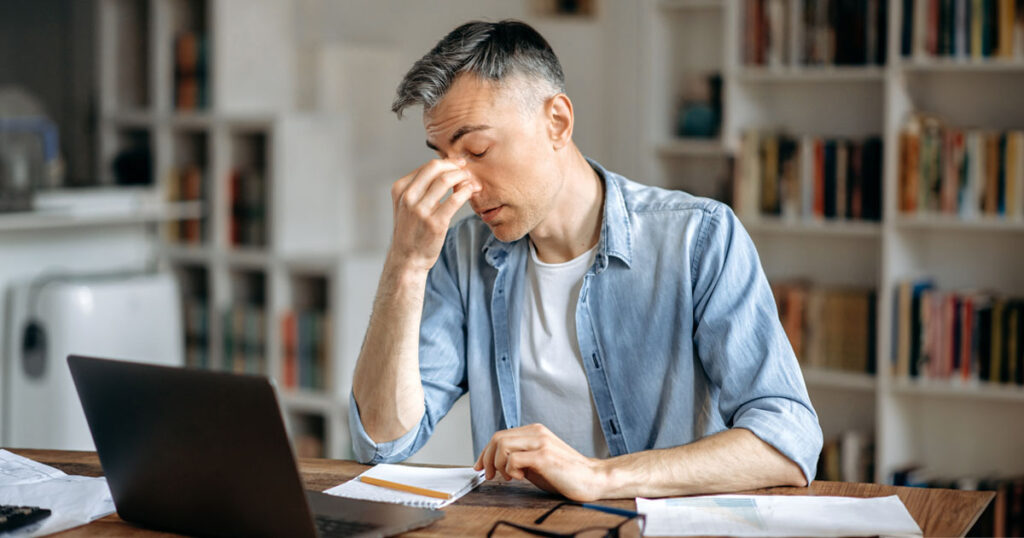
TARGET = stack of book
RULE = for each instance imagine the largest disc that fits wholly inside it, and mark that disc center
(831, 328)
(244, 329)
(1004, 516)
(963, 29)
(815, 32)
(808, 177)
(186, 185)
(190, 72)
(966, 336)
(197, 328)
(965, 172)
(847, 458)
(247, 196)
(306, 341)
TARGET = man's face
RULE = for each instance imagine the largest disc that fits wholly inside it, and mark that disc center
(508, 150)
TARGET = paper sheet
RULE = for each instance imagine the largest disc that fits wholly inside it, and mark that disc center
(777, 515)
(454, 481)
(74, 500)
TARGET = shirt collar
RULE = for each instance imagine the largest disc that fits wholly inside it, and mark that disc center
(616, 239)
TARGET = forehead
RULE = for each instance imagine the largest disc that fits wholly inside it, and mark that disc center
(469, 101)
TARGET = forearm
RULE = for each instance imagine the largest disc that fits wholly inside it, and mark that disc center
(729, 461)
(386, 384)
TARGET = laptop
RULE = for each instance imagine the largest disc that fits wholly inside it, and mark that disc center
(205, 453)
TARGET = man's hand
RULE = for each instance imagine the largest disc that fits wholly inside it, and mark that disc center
(534, 453)
(421, 218)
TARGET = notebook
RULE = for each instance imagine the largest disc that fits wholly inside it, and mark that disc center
(455, 482)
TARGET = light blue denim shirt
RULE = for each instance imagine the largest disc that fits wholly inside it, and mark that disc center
(675, 320)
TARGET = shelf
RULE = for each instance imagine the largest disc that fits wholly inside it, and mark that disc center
(248, 257)
(691, 4)
(953, 65)
(132, 118)
(56, 219)
(803, 227)
(802, 74)
(954, 223)
(711, 148)
(958, 389)
(837, 379)
(188, 253)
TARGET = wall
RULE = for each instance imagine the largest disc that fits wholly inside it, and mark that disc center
(598, 56)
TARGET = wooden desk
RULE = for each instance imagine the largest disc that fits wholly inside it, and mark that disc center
(939, 512)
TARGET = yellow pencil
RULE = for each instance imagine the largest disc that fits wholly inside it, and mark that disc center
(403, 487)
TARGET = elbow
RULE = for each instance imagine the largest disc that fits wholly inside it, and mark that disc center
(793, 475)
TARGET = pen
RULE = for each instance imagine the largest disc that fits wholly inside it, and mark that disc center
(402, 487)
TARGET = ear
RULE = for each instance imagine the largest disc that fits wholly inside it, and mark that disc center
(560, 118)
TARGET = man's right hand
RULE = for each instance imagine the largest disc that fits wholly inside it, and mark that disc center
(421, 218)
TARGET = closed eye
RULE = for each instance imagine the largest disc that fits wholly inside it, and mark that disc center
(478, 155)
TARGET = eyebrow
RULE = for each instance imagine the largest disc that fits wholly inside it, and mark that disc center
(459, 133)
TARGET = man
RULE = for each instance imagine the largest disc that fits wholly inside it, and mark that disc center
(616, 340)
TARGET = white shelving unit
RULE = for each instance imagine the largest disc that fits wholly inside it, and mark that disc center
(952, 430)
(278, 230)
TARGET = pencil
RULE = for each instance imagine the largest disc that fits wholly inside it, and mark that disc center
(403, 487)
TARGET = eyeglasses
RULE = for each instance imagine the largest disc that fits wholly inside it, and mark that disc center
(632, 526)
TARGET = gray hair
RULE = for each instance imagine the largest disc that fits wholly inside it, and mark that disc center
(490, 50)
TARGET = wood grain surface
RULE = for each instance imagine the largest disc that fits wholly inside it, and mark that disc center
(939, 512)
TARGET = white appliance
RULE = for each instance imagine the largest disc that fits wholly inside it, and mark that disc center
(132, 317)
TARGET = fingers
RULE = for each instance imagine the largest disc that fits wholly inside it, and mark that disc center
(519, 462)
(460, 195)
(426, 175)
(494, 458)
(440, 185)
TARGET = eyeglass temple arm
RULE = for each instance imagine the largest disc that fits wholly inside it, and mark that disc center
(600, 508)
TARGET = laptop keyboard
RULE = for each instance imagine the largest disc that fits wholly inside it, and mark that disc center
(329, 528)
(15, 517)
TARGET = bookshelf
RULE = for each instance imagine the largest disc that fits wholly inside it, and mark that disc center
(202, 91)
(951, 429)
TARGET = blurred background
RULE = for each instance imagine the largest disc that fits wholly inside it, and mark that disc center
(205, 182)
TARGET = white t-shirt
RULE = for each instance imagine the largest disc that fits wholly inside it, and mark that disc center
(553, 384)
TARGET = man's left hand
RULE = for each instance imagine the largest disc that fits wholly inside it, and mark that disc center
(536, 454)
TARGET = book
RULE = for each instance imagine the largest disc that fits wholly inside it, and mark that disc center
(396, 484)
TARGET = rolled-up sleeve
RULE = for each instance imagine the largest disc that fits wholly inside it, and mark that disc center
(742, 345)
(442, 364)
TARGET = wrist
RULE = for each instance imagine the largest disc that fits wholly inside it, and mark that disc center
(405, 270)
(608, 478)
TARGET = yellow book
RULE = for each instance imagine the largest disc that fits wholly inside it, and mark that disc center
(991, 174)
(1011, 344)
(977, 16)
(1007, 18)
(1014, 139)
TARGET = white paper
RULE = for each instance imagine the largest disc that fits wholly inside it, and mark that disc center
(453, 481)
(777, 515)
(73, 500)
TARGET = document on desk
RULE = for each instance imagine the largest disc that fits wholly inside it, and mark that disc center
(453, 483)
(73, 500)
(777, 515)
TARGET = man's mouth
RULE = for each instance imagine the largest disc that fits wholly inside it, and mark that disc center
(490, 214)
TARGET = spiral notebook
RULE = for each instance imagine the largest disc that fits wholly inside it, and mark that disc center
(452, 482)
